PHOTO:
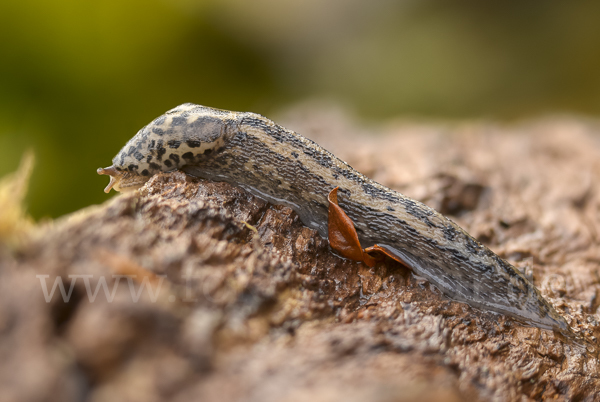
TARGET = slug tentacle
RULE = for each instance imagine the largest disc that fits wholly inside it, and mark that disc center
(283, 167)
(113, 173)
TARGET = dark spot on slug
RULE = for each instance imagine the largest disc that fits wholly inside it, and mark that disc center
(449, 232)
(345, 191)
(154, 166)
(456, 255)
(320, 158)
(188, 156)
(149, 159)
(324, 161)
(178, 121)
(295, 154)
(211, 127)
(152, 145)
(168, 163)
(484, 267)
(174, 158)
(145, 172)
(174, 144)
(138, 155)
(158, 131)
(241, 136)
(310, 152)
(193, 143)
(417, 211)
(132, 167)
(160, 151)
(472, 245)
(390, 209)
(372, 190)
(207, 151)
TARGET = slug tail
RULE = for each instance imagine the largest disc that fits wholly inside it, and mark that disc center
(113, 173)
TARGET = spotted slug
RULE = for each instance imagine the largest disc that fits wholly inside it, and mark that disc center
(283, 167)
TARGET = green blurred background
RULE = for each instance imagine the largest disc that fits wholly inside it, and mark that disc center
(79, 78)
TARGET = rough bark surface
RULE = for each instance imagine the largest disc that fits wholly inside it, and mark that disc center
(250, 305)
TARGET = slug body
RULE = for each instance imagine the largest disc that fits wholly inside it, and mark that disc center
(280, 166)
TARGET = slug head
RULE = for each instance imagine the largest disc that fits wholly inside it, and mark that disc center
(122, 181)
(183, 136)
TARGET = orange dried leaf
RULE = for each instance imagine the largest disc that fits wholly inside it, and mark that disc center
(381, 251)
(342, 234)
(344, 239)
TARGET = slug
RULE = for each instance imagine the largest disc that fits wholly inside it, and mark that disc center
(283, 167)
